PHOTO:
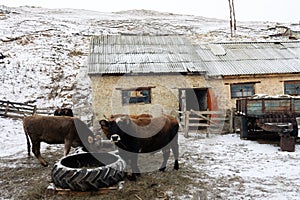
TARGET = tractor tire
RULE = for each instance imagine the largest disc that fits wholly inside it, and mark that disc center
(88, 171)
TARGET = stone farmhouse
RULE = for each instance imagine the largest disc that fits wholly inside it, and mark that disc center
(164, 74)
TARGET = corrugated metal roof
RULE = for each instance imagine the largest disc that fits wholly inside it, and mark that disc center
(118, 54)
(252, 58)
(251, 67)
(114, 54)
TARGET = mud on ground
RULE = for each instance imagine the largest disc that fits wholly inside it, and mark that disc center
(217, 167)
(26, 179)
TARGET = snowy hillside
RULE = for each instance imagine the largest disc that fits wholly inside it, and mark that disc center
(43, 58)
(44, 49)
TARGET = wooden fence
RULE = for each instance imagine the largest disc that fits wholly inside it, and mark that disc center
(207, 120)
(20, 110)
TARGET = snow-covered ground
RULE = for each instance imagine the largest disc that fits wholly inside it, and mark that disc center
(244, 169)
(45, 61)
(229, 168)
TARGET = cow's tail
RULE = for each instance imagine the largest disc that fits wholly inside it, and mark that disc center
(27, 138)
(175, 145)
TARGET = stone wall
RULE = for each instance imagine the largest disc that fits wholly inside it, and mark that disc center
(268, 84)
(107, 100)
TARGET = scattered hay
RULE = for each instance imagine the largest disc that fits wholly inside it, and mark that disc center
(27, 179)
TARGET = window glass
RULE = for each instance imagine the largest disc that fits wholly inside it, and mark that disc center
(136, 96)
(292, 87)
(242, 90)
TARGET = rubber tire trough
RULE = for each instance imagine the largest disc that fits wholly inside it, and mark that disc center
(88, 171)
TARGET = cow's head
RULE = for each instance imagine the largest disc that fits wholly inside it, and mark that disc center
(110, 130)
(114, 130)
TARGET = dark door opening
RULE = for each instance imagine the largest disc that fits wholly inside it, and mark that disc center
(193, 98)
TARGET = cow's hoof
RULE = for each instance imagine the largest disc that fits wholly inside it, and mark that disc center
(88, 171)
(176, 165)
(138, 174)
(162, 169)
(131, 177)
(44, 164)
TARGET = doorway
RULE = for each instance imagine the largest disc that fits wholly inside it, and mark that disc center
(193, 98)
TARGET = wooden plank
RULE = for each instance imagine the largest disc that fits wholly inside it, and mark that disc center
(219, 118)
(207, 112)
(15, 109)
(16, 113)
(205, 119)
(199, 124)
(54, 190)
(16, 103)
(196, 118)
(208, 119)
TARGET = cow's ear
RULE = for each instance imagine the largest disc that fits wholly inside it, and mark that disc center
(103, 123)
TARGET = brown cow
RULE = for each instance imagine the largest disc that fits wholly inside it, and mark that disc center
(143, 135)
(116, 116)
(64, 112)
(70, 131)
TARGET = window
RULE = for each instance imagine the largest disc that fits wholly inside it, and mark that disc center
(136, 95)
(242, 90)
(292, 87)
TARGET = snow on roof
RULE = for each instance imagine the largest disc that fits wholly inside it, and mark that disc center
(247, 58)
(115, 54)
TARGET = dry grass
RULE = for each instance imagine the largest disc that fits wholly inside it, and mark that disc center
(75, 53)
(27, 179)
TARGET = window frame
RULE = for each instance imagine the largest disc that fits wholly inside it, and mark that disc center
(247, 93)
(132, 96)
(295, 90)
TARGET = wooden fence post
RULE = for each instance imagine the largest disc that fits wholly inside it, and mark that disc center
(34, 110)
(6, 108)
(186, 123)
(231, 120)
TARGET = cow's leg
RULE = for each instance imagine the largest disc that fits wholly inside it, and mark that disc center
(131, 160)
(36, 151)
(67, 149)
(124, 156)
(166, 155)
(28, 143)
(134, 166)
(175, 150)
